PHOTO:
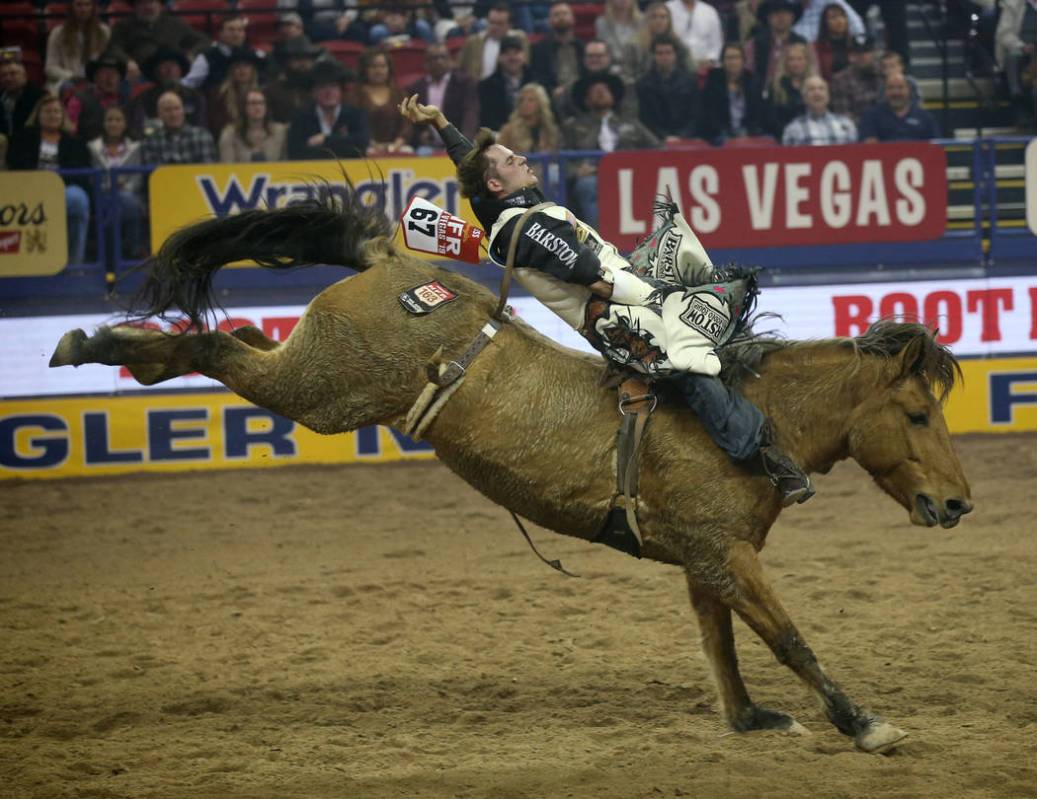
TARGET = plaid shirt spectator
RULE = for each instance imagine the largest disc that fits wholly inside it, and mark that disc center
(854, 91)
(828, 128)
(189, 145)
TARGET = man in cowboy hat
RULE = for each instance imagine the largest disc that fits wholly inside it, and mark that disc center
(165, 68)
(598, 126)
(107, 87)
(581, 277)
(210, 66)
(290, 92)
(329, 128)
(765, 51)
(150, 27)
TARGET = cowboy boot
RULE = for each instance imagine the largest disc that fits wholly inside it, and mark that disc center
(792, 482)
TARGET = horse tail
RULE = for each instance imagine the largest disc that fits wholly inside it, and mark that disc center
(324, 230)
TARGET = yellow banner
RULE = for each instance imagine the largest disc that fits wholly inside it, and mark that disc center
(73, 437)
(33, 238)
(181, 195)
(67, 437)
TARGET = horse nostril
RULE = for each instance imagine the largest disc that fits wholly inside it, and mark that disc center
(957, 507)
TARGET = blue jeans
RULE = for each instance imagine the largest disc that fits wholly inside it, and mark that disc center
(131, 220)
(77, 209)
(585, 192)
(419, 29)
(732, 421)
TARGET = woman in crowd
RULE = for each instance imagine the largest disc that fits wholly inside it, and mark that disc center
(379, 98)
(656, 21)
(620, 28)
(254, 137)
(531, 128)
(81, 38)
(47, 143)
(833, 41)
(731, 105)
(226, 102)
(114, 148)
(783, 98)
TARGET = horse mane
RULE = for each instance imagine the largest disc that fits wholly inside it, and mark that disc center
(745, 354)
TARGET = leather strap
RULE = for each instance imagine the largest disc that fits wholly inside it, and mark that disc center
(509, 265)
(636, 403)
(456, 368)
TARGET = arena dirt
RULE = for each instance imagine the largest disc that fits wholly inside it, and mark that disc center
(383, 631)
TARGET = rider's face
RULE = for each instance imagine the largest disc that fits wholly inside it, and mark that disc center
(511, 171)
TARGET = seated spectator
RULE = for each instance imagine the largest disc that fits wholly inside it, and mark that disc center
(290, 93)
(731, 102)
(897, 118)
(81, 38)
(745, 21)
(209, 68)
(149, 28)
(226, 103)
(655, 21)
(818, 125)
(174, 141)
(697, 25)
(596, 58)
(499, 92)
(18, 96)
(255, 136)
(783, 99)
(892, 62)
(668, 93)
(106, 89)
(379, 98)
(164, 69)
(598, 127)
(555, 59)
(765, 51)
(832, 47)
(289, 26)
(856, 88)
(478, 56)
(398, 26)
(46, 142)
(113, 148)
(814, 12)
(451, 90)
(620, 29)
(531, 128)
(328, 128)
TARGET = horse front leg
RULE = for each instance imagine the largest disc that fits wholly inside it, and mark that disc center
(718, 643)
(752, 598)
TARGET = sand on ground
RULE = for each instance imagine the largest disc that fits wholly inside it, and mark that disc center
(383, 631)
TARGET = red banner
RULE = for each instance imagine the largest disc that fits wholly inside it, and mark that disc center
(776, 196)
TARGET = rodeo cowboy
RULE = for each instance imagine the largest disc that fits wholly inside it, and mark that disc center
(662, 312)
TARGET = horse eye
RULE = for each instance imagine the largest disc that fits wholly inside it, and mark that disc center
(919, 419)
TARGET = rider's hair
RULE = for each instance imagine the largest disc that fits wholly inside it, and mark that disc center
(475, 168)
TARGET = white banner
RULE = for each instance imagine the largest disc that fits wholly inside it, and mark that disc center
(975, 317)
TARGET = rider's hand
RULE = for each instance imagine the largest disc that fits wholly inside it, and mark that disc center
(418, 113)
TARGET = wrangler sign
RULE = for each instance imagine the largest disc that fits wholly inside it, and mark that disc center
(775, 196)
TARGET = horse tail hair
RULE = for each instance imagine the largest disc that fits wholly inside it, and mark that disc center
(328, 229)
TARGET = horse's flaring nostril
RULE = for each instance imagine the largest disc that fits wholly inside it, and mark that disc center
(958, 507)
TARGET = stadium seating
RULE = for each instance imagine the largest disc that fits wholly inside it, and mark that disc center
(345, 52)
(262, 22)
(54, 15)
(208, 23)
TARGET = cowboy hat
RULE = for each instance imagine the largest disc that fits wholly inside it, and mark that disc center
(582, 86)
(768, 7)
(161, 55)
(106, 59)
(325, 72)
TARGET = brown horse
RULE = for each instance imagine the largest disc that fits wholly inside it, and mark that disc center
(531, 428)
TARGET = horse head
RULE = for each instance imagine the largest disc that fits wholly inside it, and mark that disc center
(898, 433)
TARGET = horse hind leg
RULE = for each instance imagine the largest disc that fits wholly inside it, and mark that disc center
(754, 601)
(718, 644)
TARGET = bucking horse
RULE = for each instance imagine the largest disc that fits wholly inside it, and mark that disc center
(532, 428)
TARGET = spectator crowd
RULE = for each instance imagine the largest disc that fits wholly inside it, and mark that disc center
(150, 87)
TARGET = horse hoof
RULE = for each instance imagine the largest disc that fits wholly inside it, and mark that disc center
(879, 737)
(67, 351)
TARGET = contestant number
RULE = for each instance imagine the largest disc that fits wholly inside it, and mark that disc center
(417, 216)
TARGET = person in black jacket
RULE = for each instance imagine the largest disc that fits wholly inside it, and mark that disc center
(17, 97)
(45, 143)
(731, 103)
(499, 92)
(668, 95)
(329, 128)
(556, 58)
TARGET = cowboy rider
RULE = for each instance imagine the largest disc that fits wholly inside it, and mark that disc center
(570, 268)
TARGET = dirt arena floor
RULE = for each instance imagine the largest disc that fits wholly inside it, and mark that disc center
(383, 631)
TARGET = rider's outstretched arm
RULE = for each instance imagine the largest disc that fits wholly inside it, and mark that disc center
(457, 144)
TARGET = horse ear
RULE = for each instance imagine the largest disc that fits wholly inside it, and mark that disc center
(910, 359)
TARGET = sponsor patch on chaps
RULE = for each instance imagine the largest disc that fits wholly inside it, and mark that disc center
(10, 242)
(426, 298)
(707, 314)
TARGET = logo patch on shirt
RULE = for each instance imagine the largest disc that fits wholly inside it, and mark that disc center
(426, 298)
(706, 314)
